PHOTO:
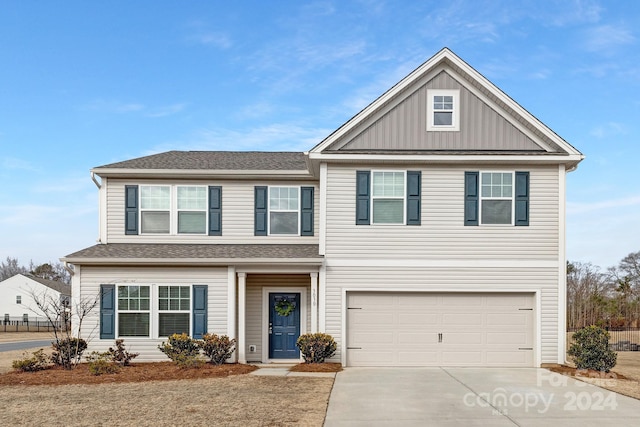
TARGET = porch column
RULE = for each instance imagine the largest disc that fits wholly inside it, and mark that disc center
(314, 302)
(242, 314)
(231, 305)
(322, 286)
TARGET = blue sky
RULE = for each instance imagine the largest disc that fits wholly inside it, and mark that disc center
(84, 84)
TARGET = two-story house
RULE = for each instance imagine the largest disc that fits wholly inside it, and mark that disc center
(427, 230)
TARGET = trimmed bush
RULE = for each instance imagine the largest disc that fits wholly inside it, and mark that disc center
(68, 351)
(102, 363)
(120, 355)
(315, 348)
(37, 362)
(218, 348)
(183, 350)
(590, 349)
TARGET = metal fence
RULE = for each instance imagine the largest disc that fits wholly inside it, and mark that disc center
(620, 339)
(36, 324)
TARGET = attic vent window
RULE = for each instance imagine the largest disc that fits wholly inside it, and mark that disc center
(443, 110)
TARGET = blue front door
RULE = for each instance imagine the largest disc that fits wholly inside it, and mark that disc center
(284, 325)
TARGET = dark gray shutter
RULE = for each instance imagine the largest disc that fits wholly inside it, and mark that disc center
(522, 198)
(363, 197)
(306, 211)
(261, 211)
(199, 311)
(107, 311)
(131, 209)
(414, 179)
(471, 198)
(215, 211)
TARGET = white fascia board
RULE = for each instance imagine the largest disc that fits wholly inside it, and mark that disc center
(194, 261)
(205, 173)
(449, 158)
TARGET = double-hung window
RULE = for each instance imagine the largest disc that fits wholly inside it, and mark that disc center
(284, 210)
(388, 197)
(443, 108)
(496, 198)
(166, 209)
(174, 305)
(192, 209)
(155, 209)
(134, 310)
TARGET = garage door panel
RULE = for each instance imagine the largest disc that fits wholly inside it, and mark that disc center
(421, 320)
(440, 329)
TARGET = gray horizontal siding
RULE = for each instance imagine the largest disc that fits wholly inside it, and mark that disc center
(404, 126)
(237, 215)
(93, 277)
(442, 234)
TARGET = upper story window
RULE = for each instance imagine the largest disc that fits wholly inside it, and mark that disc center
(492, 197)
(284, 210)
(443, 110)
(496, 198)
(157, 215)
(387, 197)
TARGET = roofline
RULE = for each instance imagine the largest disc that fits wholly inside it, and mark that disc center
(441, 57)
(201, 173)
(195, 261)
(461, 158)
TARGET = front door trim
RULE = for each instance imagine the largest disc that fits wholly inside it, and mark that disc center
(266, 290)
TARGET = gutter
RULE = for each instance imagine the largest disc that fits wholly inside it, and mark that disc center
(67, 267)
(95, 181)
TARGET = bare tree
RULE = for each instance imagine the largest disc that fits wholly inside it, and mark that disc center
(59, 313)
(10, 268)
(588, 293)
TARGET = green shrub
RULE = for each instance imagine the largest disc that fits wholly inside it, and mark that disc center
(67, 351)
(37, 362)
(183, 350)
(102, 363)
(315, 348)
(590, 349)
(120, 355)
(218, 348)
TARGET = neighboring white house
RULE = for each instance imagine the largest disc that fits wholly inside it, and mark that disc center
(428, 230)
(16, 296)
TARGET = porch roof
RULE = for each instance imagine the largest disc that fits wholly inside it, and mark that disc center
(208, 254)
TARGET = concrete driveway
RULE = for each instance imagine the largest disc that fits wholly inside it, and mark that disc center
(473, 397)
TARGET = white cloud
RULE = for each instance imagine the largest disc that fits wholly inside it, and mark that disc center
(117, 107)
(578, 208)
(608, 130)
(14, 163)
(166, 110)
(604, 38)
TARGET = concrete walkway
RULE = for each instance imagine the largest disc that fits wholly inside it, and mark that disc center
(473, 397)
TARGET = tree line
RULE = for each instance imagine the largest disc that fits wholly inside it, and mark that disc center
(51, 271)
(609, 298)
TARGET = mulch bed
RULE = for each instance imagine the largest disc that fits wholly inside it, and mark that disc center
(136, 372)
(584, 373)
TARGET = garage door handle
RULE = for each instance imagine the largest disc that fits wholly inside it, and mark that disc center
(525, 348)
(439, 337)
(354, 348)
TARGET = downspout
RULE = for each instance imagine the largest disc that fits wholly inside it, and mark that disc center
(67, 267)
(93, 178)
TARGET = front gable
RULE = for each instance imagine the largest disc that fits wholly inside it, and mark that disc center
(490, 122)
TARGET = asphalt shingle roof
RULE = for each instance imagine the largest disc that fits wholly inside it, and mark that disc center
(144, 251)
(215, 160)
(63, 288)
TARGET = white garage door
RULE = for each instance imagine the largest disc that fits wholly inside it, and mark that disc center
(440, 329)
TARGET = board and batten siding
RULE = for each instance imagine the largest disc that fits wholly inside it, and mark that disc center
(254, 326)
(459, 279)
(237, 214)
(442, 234)
(93, 277)
(404, 126)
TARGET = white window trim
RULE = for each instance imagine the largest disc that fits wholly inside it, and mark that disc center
(154, 310)
(404, 199)
(512, 198)
(269, 210)
(455, 120)
(173, 210)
